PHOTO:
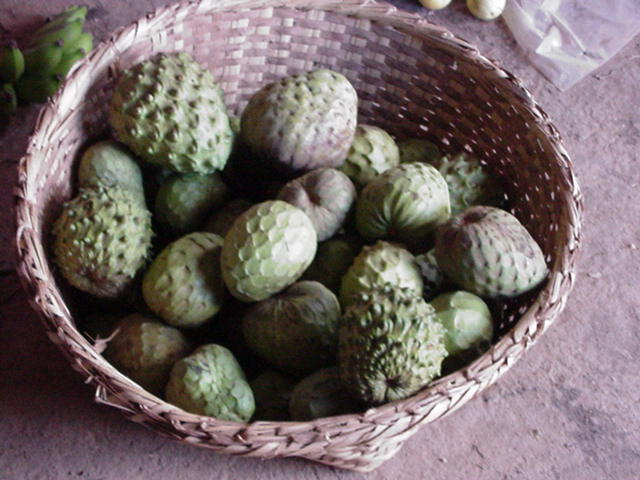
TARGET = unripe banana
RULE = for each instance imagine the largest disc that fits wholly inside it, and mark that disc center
(8, 101)
(36, 89)
(84, 42)
(68, 60)
(71, 14)
(41, 60)
(66, 34)
(11, 63)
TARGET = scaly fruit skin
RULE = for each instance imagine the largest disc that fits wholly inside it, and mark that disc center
(432, 277)
(377, 265)
(11, 64)
(390, 345)
(418, 150)
(184, 201)
(36, 89)
(319, 395)
(102, 238)
(267, 249)
(183, 285)
(109, 163)
(487, 251)
(145, 350)
(272, 391)
(467, 323)
(372, 152)
(8, 100)
(332, 260)
(211, 382)
(302, 122)
(170, 111)
(325, 195)
(469, 184)
(406, 203)
(221, 220)
(296, 330)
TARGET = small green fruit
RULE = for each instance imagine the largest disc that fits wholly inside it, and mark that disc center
(11, 64)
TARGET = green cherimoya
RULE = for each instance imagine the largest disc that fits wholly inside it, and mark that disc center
(432, 277)
(325, 195)
(372, 152)
(319, 395)
(406, 203)
(109, 163)
(390, 345)
(272, 392)
(303, 122)
(377, 265)
(183, 285)
(332, 260)
(211, 382)
(145, 350)
(267, 249)
(170, 111)
(184, 201)
(101, 240)
(487, 251)
(468, 182)
(418, 150)
(296, 330)
(221, 220)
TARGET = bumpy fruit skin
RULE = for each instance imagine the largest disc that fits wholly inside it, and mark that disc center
(221, 220)
(145, 350)
(487, 251)
(183, 285)
(432, 277)
(101, 240)
(211, 382)
(406, 203)
(372, 152)
(418, 150)
(325, 195)
(467, 323)
(184, 201)
(332, 260)
(469, 184)
(272, 392)
(377, 265)
(267, 249)
(390, 345)
(296, 330)
(319, 395)
(109, 163)
(302, 122)
(170, 111)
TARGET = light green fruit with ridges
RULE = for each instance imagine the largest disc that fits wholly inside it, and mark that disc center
(267, 249)
(390, 345)
(41, 60)
(296, 330)
(8, 100)
(418, 150)
(272, 392)
(332, 260)
(325, 195)
(145, 350)
(109, 163)
(11, 63)
(320, 395)
(377, 265)
(64, 35)
(36, 89)
(221, 220)
(211, 382)
(303, 122)
(406, 204)
(102, 239)
(468, 182)
(432, 277)
(372, 152)
(183, 285)
(184, 201)
(487, 251)
(467, 323)
(170, 111)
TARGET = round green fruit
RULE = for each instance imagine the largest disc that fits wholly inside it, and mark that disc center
(332, 260)
(319, 395)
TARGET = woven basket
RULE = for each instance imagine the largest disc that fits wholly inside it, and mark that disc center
(413, 79)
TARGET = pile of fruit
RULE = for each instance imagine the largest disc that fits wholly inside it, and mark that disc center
(35, 73)
(333, 267)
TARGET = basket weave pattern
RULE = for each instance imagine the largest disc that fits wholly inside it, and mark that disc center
(413, 79)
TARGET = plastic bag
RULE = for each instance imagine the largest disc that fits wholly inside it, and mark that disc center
(568, 39)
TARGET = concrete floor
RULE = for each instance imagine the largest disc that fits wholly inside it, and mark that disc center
(569, 410)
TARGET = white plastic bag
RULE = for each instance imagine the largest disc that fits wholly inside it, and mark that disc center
(568, 39)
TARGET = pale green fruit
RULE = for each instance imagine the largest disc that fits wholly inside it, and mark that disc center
(486, 9)
(418, 150)
(272, 391)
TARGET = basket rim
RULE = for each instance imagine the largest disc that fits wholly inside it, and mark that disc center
(549, 302)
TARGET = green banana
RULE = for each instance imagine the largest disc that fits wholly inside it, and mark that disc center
(36, 89)
(66, 34)
(67, 61)
(11, 63)
(71, 14)
(41, 60)
(84, 42)
(8, 101)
